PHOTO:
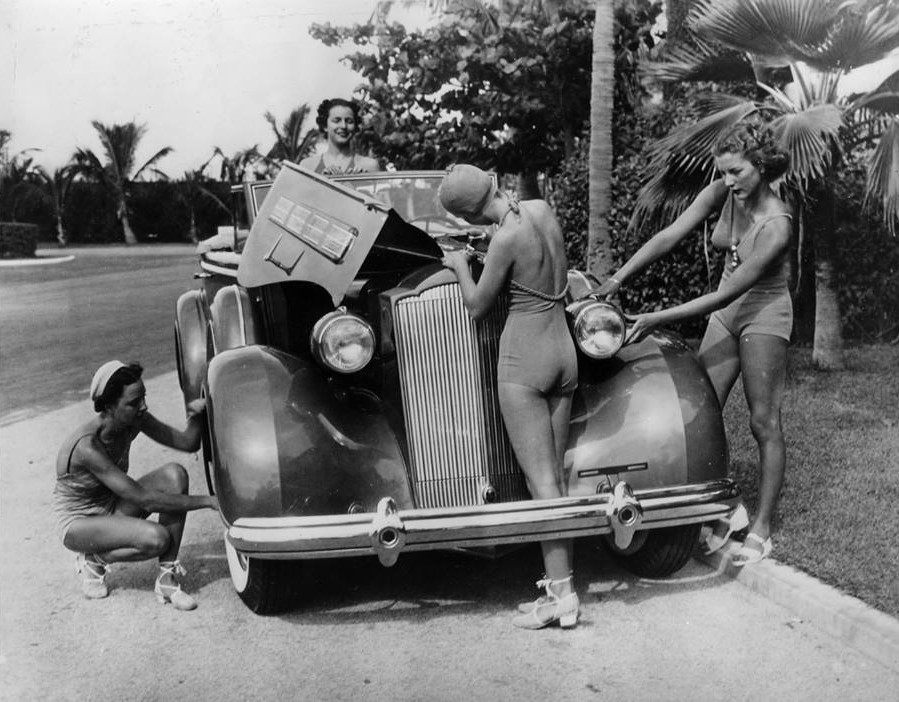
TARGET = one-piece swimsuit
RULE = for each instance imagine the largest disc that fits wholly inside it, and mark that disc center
(766, 308)
(79, 493)
(535, 348)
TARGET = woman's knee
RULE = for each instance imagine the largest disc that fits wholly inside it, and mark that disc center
(765, 425)
(176, 478)
(154, 540)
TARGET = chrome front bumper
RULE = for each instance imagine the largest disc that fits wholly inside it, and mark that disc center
(388, 532)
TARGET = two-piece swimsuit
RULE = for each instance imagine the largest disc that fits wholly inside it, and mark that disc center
(766, 308)
(535, 348)
(79, 493)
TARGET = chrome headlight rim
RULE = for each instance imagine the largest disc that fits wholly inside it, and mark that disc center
(580, 314)
(331, 329)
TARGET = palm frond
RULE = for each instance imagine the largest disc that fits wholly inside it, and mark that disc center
(863, 32)
(883, 175)
(688, 148)
(779, 30)
(696, 61)
(151, 163)
(811, 137)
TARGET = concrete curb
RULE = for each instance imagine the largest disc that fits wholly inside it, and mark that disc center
(846, 618)
(39, 260)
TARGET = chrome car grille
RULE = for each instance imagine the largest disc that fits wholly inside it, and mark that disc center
(459, 451)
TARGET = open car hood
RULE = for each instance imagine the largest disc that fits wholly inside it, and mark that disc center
(310, 228)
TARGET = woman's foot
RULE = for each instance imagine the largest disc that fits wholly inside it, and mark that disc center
(723, 529)
(167, 588)
(93, 572)
(550, 608)
(754, 549)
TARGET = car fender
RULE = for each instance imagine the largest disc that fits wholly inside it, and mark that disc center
(286, 443)
(190, 343)
(233, 320)
(649, 416)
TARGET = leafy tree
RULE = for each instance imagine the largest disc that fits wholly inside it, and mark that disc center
(292, 142)
(817, 41)
(17, 177)
(120, 142)
(506, 88)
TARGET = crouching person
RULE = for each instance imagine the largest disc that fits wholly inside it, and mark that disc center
(102, 511)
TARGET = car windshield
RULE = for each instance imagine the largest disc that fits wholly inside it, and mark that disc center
(414, 197)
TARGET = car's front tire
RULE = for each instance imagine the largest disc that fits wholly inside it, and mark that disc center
(265, 586)
(657, 553)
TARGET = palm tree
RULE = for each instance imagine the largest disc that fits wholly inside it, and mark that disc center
(602, 92)
(192, 190)
(242, 165)
(55, 190)
(120, 142)
(817, 42)
(292, 143)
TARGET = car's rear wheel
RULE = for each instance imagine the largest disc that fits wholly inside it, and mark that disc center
(658, 553)
(265, 586)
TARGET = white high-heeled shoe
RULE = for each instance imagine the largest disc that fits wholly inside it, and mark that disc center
(172, 593)
(549, 608)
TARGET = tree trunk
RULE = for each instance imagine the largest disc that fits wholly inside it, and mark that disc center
(193, 228)
(130, 239)
(61, 237)
(602, 94)
(827, 349)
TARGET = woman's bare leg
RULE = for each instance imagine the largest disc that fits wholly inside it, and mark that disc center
(126, 535)
(764, 365)
(529, 423)
(719, 354)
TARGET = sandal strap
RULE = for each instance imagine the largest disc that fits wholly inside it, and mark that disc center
(171, 568)
(95, 570)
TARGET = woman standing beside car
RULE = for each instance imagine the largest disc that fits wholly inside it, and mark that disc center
(102, 510)
(751, 311)
(537, 367)
(338, 120)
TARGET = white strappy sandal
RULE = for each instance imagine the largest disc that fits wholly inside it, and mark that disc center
(93, 576)
(172, 593)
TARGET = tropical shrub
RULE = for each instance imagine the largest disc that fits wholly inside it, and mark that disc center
(18, 240)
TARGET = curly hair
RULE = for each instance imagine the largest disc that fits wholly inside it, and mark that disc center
(324, 109)
(756, 143)
(115, 386)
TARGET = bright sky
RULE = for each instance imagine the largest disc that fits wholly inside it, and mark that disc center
(197, 73)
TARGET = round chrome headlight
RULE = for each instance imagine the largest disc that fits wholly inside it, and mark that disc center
(598, 328)
(343, 342)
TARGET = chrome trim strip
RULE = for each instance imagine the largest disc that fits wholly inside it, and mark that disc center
(230, 272)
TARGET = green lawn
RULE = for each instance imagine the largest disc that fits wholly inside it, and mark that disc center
(838, 517)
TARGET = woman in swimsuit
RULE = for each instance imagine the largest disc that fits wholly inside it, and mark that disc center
(338, 120)
(537, 368)
(102, 511)
(751, 311)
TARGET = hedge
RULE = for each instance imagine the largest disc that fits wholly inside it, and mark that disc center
(18, 240)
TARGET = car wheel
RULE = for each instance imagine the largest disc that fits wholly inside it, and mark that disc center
(265, 586)
(657, 553)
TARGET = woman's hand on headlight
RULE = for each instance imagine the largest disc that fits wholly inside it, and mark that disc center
(640, 326)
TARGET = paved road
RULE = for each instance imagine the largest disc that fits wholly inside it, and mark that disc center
(57, 321)
(435, 627)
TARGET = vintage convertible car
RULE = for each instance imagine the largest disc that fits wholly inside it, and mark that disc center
(352, 405)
